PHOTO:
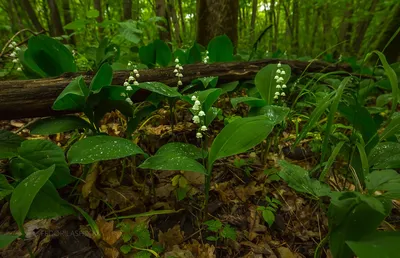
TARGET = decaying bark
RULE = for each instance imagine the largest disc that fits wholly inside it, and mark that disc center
(34, 98)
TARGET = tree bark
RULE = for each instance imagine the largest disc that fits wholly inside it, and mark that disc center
(272, 19)
(32, 15)
(99, 19)
(136, 10)
(182, 17)
(217, 17)
(161, 11)
(34, 98)
(253, 20)
(295, 24)
(172, 14)
(346, 27)
(68, 19)
(57, 26)
(127, 6)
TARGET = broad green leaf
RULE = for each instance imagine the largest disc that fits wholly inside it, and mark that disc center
(54, 125)
(387, 181)
(393, 127)
(383, 99)
(266, 83)
(181, 55)
(213, 225)
(330, 161)
(101, 147)
(163, 53)
(348, 221)
(5, 240)
(299, 179)
(206, 81)
(5, 188)
(220, 49)
(9, 144)
(268, 216)
(49, 204)
(77, 24)
(30, 67)
(314, 117)
(211, 114)
(385, 155)
(128, 30)
(228, 232)
(377, 244)
(181, 149)
(251, 101)
(73, 97)
(173, 162)
(275, 114)
(239, 136)
(228, 87)
(50, 55)
(38, 154)
(194, 54)
(25, 193)
(102, 78)
(208, 97)
(160, 88)
(92, 13)
(391, 74)
(331, 116)
(147, 55)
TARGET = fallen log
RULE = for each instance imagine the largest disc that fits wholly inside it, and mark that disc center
(34, 98)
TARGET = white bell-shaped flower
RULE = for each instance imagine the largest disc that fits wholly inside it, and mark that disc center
(276, 77)
(126, 84)
(284, 86)
(279, 65)
(283, 94)
(136, 83)
(194, 98)
(19, 69)
(129, 88)
(196, 107)
(197, 103)
(277, 93)
(278, 71)
(201, 113)
(176, 60)
(179, 83)
(129, 101)
(276, 97)
(278, 86)
(203, 128)
(196, 119)
(199, 135)
(180, 68)
(135, 71)
(176, 71)
(131, 78)
(283, 72)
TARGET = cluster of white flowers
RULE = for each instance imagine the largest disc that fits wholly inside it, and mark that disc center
(198, 117)
(206, 58)
(14, 54)
(131, 80)
(178, 71)
(279, 79)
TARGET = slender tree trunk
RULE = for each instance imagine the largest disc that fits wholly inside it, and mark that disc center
(172, 14)
(68, 19)
(217, 17)
(32, 15)
(253, 20)
(99, 19)
(127, 6)
(57, 26)
(315, 30)
(272, 20)
(136, 10)
(182, 17)
(346, 27)
(278, 15)
(327, 25)
(161, 11)
(295, 24)
(362, 27)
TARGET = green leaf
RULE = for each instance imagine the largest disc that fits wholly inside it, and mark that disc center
(50, 55)
(213, 225)
(54, 125)
(220, 49)
(181, 55)
(378, 244)
(314, 117)
(102, 78)
(299, 179)
(268, 216)
(239, 136)
(92, 13)
(383, 100)
(129, 31)
(5, 188)
(101, 147)
(77, 25)
(207, 81)
(125, 249)
(330, 161)
(194, 54)
(181, 149)
(266, 83)
(392, 77)
(143, 235)
(387, 181)
(212, 238)
(163, 53)
(73, 97)
(228, 232)
(160, 88)
(228, 87)
(211, 114)
(393, 127)
(9, 143)
(208, 97)
(147, 55)
(38, 155)
(251, 101)
(25, 193)
(364, 162)
(173, 162)
(275, 114)
(48, 204)
(5, 240)
(385, 155)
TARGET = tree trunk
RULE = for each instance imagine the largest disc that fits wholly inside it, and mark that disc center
(326, 25)
(217, 17)
(277, 20)
(295, 24)
(272, 20)
(392, 51)
(57, 26)
(127, 6)
(68, 19)
(99, 19)
(362, 27)
(34, 98)
(172, 14)
(253, 21)
(136, 10)
(32, 15)
(315, 30)
(182, 17)
(161, 11)
(346, 28)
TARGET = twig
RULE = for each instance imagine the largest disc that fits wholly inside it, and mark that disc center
(3, 51)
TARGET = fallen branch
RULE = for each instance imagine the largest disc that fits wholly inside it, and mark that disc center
(34, 98)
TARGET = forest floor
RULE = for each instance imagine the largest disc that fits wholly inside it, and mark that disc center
(239, 186)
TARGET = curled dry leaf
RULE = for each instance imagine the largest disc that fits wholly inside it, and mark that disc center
(174, 236)
(108, 234)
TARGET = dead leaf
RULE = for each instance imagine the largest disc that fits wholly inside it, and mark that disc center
(122, 196)
(108, 234)
(254, 223)
(285, 252)
(201, 251)
(178, 253)
(260, 248)
(245, 192)
(174, 236)
(90, 180)
(194, 178)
